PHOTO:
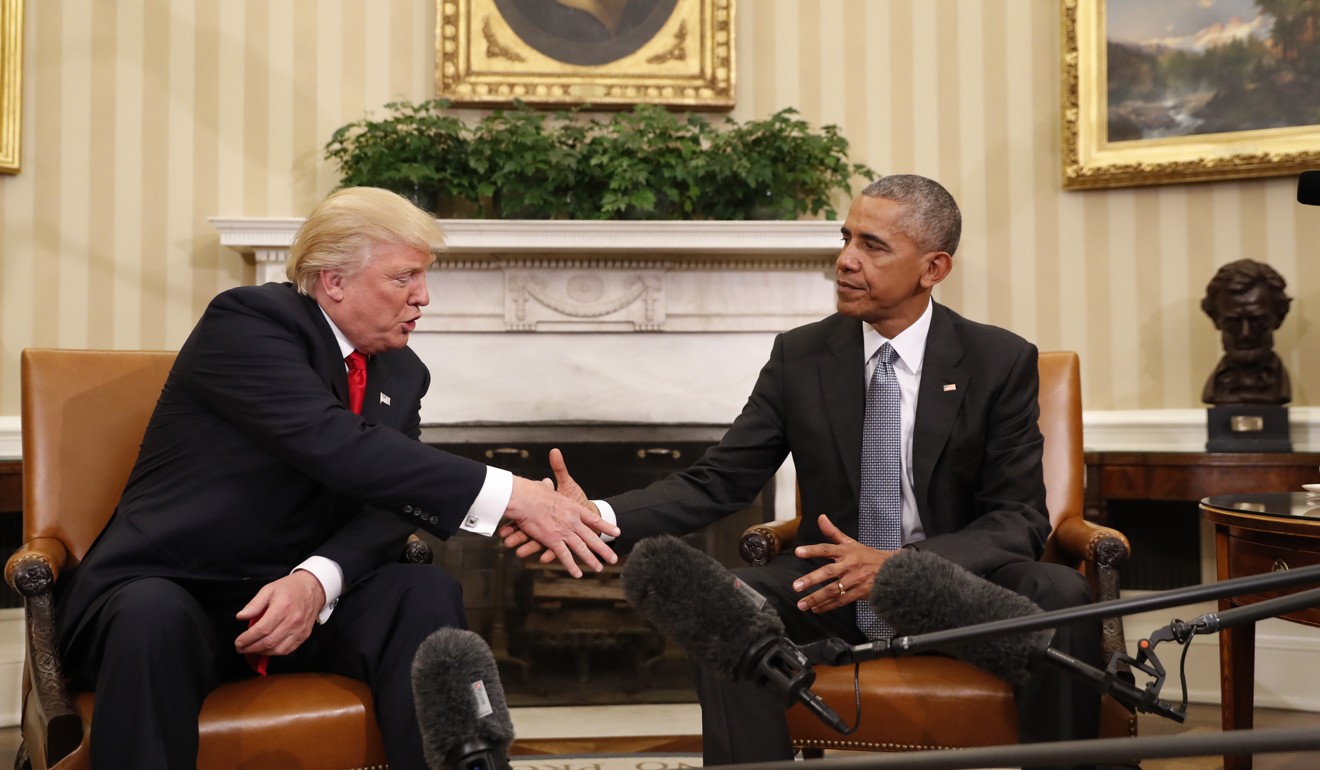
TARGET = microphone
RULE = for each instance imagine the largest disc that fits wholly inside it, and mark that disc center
(1308, 188)
(461, 710)
(934, 604)
(917, 592)
(722, 623)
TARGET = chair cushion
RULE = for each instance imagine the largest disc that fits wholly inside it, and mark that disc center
(290, 721)
(927, 702)
(924, 702)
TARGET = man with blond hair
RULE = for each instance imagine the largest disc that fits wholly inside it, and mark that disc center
(274, 491)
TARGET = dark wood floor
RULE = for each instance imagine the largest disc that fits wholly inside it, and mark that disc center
(1200, 719)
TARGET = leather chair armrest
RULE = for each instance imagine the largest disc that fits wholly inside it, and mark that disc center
(760, 542)
(1082, 540)
(35, 565)
(417, 551)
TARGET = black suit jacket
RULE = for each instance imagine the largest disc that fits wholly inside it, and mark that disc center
(252, 461)
(976, 451)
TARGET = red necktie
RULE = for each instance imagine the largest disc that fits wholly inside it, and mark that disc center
(357, 380)
(357, 389)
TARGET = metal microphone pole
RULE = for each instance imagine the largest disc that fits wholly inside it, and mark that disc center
(938, 640)
(1099, 751)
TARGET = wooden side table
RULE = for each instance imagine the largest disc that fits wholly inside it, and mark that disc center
(1256, 533)
(1190, 476)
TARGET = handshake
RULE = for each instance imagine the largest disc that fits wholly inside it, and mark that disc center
(560, 523)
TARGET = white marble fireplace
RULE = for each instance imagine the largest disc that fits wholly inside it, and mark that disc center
(562, 323)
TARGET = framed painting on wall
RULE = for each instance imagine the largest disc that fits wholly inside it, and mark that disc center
(601, 53)
(11, 83)
(1187, 90)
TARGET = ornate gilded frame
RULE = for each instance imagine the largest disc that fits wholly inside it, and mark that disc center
(1091, 161)
(11, 83)
(688, 62)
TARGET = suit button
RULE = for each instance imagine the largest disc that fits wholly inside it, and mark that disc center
(434, 519)
(407, 509)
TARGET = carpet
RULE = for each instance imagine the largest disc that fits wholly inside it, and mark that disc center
(607, 762)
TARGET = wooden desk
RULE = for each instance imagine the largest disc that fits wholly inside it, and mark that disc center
(1256, 533)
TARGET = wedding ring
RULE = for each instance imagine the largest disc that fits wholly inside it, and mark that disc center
(842, 590)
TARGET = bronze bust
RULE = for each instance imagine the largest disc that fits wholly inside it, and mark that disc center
(1246, 301)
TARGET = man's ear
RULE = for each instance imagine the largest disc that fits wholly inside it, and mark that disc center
(938, 266)
(331, 284)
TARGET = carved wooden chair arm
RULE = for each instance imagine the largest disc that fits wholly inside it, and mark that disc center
(760, 542)
(31, 571)
(417, 551)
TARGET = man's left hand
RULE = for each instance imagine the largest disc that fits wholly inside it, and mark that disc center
(285, 613)
(848, 576)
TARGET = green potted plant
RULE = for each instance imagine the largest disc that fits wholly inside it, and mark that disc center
(647, 163)
(777, 168)
(523, 166)
(417, 150)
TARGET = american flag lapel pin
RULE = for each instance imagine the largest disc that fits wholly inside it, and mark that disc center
(384, 399)
(947, 388)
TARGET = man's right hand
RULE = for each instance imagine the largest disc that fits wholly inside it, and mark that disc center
(565, 524)
(522, 544)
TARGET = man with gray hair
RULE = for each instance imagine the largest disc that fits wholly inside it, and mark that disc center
(278, 480)
(910, 427)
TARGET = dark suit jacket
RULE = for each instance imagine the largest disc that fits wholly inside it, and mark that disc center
(252, 461)
(976, 451)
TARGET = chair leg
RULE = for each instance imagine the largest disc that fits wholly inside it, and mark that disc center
(812, 753)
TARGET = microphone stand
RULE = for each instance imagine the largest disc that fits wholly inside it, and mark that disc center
(838, 652)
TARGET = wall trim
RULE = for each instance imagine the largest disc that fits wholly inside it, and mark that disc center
(1133, 430)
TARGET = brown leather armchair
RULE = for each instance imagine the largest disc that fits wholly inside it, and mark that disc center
(932, 702)
(84, 414)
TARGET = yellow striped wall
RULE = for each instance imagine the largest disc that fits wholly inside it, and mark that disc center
(144, 117)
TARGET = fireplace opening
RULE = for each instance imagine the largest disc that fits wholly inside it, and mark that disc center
(565, 641)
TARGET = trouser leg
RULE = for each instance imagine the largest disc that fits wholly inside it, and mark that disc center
(151, 655)
(373, 635)
(740, 721)
(1054, 705)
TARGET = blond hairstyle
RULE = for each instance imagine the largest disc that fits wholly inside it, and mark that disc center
(340, 233)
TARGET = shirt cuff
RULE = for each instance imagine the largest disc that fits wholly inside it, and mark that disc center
(491, 503)
(606, 513)
(331, 577)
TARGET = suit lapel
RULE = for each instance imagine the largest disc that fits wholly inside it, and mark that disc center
(939, 396)
(842, 385)
(376, 405)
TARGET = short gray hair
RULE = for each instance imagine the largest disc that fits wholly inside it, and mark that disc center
(340, 233)
(930, 214)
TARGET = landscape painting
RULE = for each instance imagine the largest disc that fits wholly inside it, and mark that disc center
(1159, 91)
(1211, 66)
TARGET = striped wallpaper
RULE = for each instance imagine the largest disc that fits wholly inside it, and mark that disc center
(144, 117)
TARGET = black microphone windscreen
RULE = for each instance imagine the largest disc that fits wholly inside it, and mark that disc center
(459, 696)
(917, 592)
(1308, 188)
(694, 600)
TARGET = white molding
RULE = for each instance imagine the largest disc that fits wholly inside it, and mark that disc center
(11, 437)
(1178, 430)
(752, 240)
(11, 665)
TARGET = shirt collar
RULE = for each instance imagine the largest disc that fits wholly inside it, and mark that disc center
(910, 343)
(345, 347)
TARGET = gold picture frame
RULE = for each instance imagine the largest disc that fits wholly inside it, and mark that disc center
(597, 53)
(11, 83)
(1091, 160)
